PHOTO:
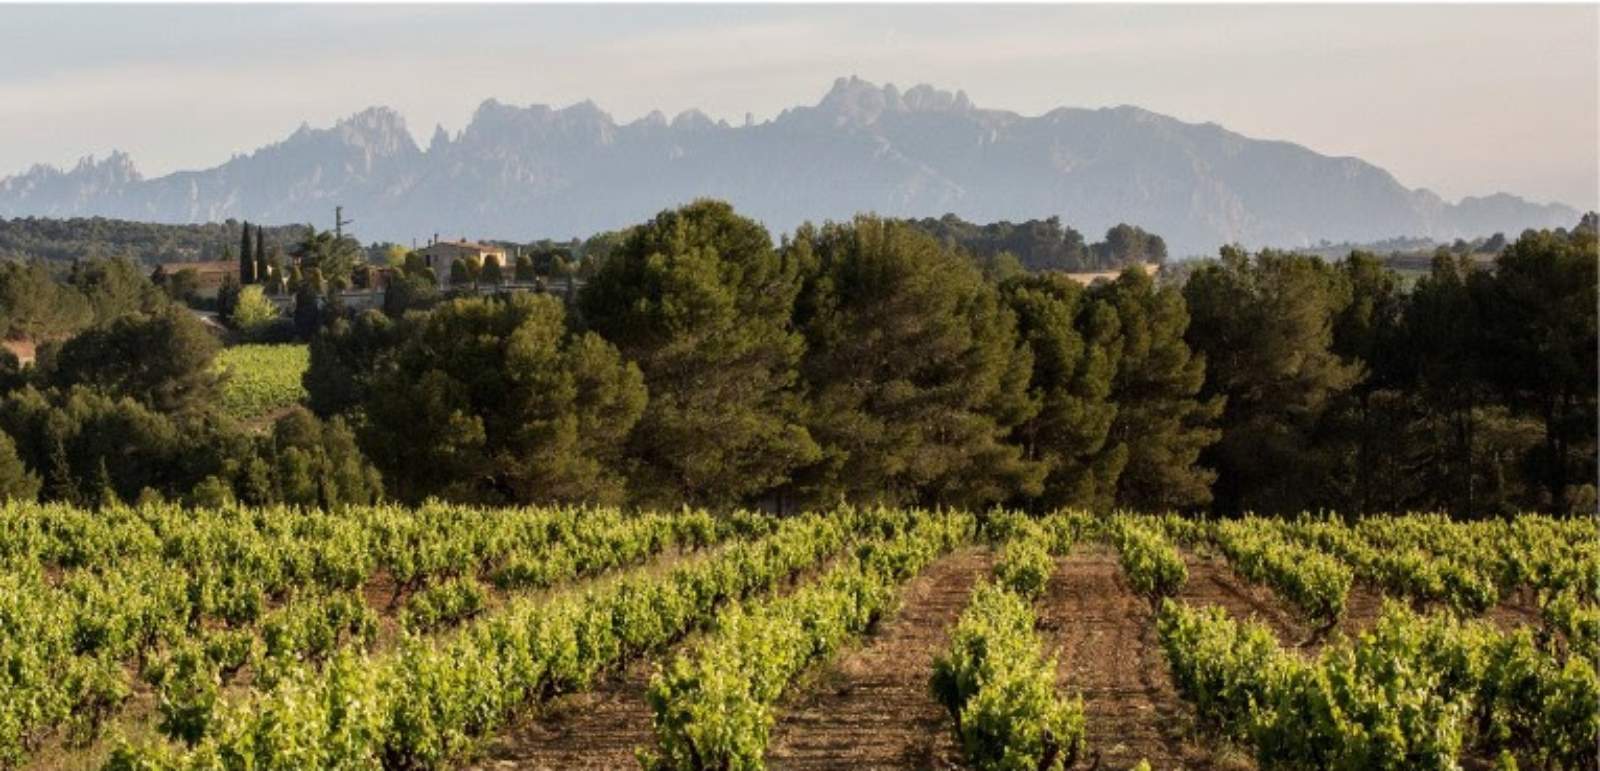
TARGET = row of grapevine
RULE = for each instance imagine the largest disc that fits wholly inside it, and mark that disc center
(215, 594)
(1149, 560)
(1312, 581)
(713, 705)
(995, 680)
(1413, 692)
(1407, 570)
(429, 700)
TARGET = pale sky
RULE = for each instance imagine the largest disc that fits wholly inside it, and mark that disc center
(1458, 99)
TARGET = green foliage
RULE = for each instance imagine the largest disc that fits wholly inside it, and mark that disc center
(1265, 325)
(331, 257)
(700, 300)
(445, 603)
(142, 243)
(998, 686)
(914, 368)
(1539, 333)
(259, 381)
(1025, 566)
(488, 400)
(1161, 418)
(1075, 356)
(253, 314)
(492, 273)
(713, 706)
(163, 361)
(17, 483)
(524, 272)
(34, 305)
(1150, 561)
(1129, 245)
(1037, 244)
(1315, 582)
(1413, 692)
(1045, 245)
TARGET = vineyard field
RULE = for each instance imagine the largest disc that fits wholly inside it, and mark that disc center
(260, 381)
(444, 636)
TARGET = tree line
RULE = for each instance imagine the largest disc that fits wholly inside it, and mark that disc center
(1046, 244)
(869, 361)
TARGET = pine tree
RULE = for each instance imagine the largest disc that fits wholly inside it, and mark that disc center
(1160, 422)
(493, 400)
(915, 369)
(1075, 356)
(1265, 325)
(699, 298)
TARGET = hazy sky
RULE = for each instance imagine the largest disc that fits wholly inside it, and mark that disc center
(1459, 99)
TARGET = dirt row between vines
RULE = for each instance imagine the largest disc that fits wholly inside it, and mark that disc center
(870, 708)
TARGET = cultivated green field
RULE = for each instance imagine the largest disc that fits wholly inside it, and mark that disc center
(261, 380)
(386, 637)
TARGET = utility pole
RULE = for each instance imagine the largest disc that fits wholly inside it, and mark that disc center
(339, 222)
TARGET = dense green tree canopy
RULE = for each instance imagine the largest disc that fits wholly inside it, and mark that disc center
(914, 369)
(1162, 421)
(1075, 347)
(163, 360)
(494, 400)
(701, 301)
(1265, 325)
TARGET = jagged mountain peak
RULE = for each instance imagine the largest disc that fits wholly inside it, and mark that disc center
(859, 101)
(536, 170)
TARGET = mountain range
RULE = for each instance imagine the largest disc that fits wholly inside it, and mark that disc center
(518, 173)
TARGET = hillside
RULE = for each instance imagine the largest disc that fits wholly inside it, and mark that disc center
(538, 171)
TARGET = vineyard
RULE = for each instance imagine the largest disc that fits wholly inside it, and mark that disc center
(261, 380)
(447, 636)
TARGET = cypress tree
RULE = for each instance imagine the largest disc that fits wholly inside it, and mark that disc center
(247, 259)
(258, 275)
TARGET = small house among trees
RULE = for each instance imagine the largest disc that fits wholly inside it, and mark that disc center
(208, 276)
(440, 255)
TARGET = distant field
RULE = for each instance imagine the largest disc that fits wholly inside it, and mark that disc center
(260, 380)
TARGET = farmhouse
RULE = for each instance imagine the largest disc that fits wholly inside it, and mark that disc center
(209, 276)
(438, 255)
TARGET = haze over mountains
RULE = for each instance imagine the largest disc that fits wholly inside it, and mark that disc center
(526, 172)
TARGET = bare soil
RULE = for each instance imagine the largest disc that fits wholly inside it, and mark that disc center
(1362, 607)
(596, 729)
(1213, 582)
(1106, 641)
(872, 708)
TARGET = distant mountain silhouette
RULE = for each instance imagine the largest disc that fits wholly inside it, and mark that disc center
(524, 172)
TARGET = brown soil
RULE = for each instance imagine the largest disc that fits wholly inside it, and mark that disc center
(604, 727)
(1362, 607)
(596, 729)
(1108, 653)
(1516, 609)
(1212, 582)
(872, 709)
